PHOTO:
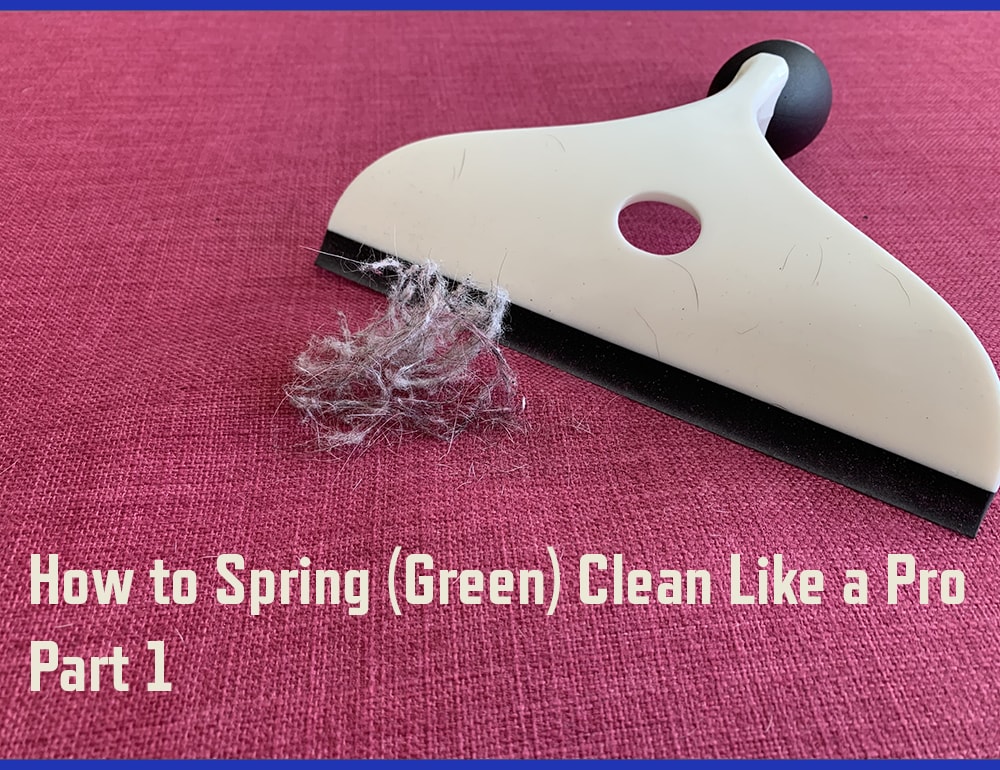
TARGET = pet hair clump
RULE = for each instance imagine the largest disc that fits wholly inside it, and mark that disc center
(431, 365)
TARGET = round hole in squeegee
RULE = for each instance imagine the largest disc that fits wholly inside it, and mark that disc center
(658, 228)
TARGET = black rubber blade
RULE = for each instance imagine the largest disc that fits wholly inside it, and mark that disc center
(908, 485)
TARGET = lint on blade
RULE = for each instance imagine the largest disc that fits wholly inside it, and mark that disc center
(429, 365)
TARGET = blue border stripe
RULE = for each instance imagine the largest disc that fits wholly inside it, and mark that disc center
(541, 5)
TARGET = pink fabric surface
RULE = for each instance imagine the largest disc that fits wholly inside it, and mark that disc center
(164, 178)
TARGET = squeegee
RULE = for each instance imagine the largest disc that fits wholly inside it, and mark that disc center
(782, 327)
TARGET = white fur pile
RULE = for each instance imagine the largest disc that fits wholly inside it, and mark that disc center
(431, 365)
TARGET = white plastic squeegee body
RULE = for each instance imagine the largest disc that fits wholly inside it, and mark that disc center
(780, 298)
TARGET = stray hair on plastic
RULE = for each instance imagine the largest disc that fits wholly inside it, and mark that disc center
(430, 365)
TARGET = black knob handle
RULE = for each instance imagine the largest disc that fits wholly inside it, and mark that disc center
(804, 103)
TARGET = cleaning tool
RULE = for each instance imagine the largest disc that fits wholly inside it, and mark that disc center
(782, 327)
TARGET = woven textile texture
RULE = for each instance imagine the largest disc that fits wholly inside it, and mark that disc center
(164, 178)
